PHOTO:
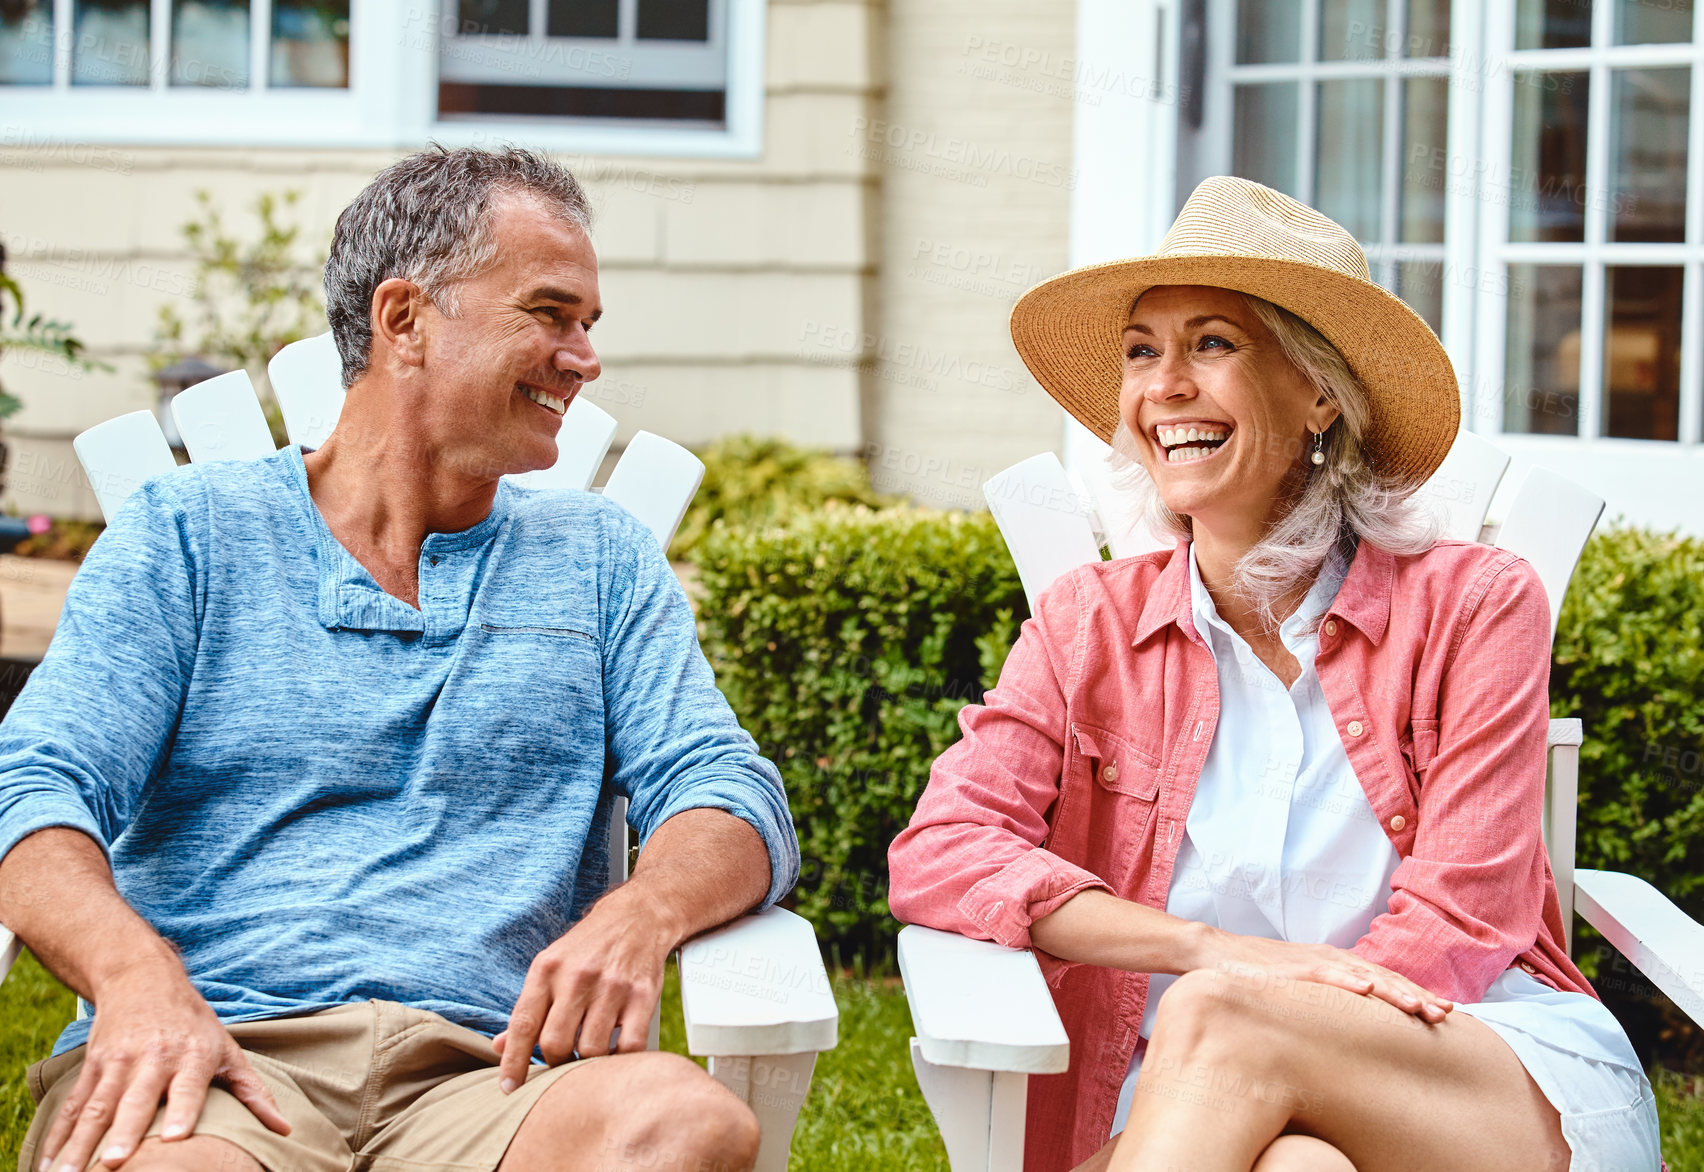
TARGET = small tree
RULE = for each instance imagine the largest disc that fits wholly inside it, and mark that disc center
(252, 298)
(38, 334)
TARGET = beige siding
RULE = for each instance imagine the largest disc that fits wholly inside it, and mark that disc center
(715, 273)
(974, 159)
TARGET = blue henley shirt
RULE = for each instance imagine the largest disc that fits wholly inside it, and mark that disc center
(320, 794)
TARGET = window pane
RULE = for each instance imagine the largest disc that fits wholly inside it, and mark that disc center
(111, 46)
(1553, 24)
(466, 99)
(1351, 30)
(1269, 30)
(1547, 173)
(210, 43)
(1425, 158)
(1647, 154)
(674, 20)
(310, 43)
(1421, 284)
(1640, 22)
(1264, 142)
(1541, 372)
(1641, 351)
(26, 42)
(1428, 29)
(584, 18)
(486, 18)
(1348, 161)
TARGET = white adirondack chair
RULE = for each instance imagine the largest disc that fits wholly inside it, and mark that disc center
(984, 1018)
(755, 994)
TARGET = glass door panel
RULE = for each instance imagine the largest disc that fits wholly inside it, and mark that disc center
(1641, 351)
(1541, 392)
(1269, 31)
(1349, 154)
(1264, 147)
(1651, 22)
(1547, 175)
(1647, 154)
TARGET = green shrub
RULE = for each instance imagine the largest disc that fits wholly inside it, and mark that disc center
(847, 641)
(750, 481)
(1629, 662)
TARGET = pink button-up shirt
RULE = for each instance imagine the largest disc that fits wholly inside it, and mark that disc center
(1078, 771)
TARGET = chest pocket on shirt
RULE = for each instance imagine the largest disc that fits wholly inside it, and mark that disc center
(1114, 763)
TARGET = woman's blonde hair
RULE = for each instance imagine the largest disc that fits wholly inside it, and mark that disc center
(1342, 501)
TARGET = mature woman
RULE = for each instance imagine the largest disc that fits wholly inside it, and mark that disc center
(1267, 805)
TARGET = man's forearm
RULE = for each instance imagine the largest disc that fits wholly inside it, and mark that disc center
(699, 869)
(57, 896)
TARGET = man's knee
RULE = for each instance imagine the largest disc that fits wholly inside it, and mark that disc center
(198, 1153)
(673, 1115)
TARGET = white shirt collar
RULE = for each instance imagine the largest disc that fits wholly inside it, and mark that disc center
(1295, 630)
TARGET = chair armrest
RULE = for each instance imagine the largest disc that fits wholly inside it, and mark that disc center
(1662, 941)
(10, 948)
(979, 1005)
(1568, 731)
(757, 985)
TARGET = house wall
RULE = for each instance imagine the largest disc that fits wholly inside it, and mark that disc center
(973, 153)
(720, 277)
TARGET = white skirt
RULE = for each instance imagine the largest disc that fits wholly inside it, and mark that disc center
(1579, 1056)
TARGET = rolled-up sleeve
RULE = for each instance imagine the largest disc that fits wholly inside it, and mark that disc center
(672, 741)
(971, 860)
(95, 719)
(1469, 897)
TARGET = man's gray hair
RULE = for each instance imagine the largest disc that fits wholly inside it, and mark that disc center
(1342, 501)
(427, 219)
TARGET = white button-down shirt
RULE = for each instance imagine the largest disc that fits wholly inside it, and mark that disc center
(1280, 841)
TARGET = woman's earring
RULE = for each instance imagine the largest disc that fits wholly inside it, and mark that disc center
(1318, 456)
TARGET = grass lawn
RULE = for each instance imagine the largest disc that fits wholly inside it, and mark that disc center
(864, 1112)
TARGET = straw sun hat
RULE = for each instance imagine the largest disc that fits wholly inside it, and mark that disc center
(1235, 234)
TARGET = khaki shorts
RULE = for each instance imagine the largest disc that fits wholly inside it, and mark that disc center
(365, 1086)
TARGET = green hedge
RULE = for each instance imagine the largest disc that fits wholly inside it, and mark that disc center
(752, 481)
(847, 641)
(1629, 662)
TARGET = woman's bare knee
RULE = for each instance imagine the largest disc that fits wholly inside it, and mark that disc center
(1301, 1153)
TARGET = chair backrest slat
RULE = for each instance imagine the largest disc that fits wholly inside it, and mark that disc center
(1460, 490)
(120, 454)
(1044, 520)
(220, 419)
(655, 480)
(307, 381)
(1548, 525)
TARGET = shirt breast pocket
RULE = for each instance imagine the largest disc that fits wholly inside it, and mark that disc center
(1114, 764)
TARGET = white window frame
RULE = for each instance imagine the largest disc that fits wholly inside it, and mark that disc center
(1485, 386)
(1216, 141)
(391, 101)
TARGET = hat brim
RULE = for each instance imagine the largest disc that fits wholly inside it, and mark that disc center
(1069, 332)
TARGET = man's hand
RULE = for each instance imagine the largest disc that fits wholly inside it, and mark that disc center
(701, 868)
(607, 971)
(153, 1037)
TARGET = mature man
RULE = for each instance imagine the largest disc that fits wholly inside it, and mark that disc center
(348, 724)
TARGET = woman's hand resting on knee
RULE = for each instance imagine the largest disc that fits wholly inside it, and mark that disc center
(1282, 960)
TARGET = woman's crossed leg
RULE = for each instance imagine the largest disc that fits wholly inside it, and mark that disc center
(1237, 1062)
